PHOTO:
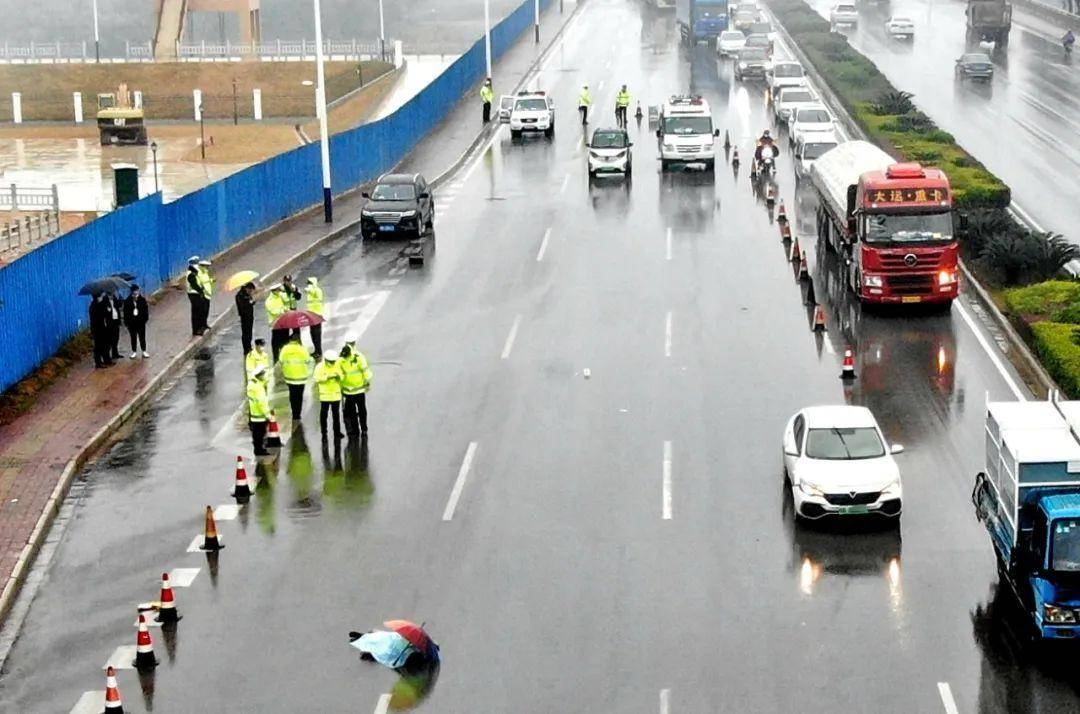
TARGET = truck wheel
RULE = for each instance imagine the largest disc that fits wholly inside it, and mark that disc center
(515, 135)
(665, 164)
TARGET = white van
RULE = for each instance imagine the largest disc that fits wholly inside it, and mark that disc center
(685, 134)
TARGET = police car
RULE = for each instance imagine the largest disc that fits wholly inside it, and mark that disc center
(533, 112)
(685, 133)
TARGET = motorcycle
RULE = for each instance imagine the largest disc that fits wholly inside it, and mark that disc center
(766, 166)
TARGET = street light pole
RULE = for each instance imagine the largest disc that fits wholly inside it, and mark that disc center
(97, 36)
(382, 33)
(153, 150)
(235, 104)
(536, 18)
(320, 108)
(202, 132)
(487, 35)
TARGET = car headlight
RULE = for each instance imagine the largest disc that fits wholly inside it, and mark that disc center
(408, 214)
(873, 281)
(810, 489)
(742, 65)
(594, 155)
(669, 147)
(946, 277)
(1059, 615)
(367, 214)
(892, 487)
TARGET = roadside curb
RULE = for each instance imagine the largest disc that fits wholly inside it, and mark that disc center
(135, 406)
(1019, 354)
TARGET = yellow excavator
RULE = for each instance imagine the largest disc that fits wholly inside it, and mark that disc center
(119, 120)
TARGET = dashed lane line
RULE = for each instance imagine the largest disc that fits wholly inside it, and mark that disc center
(667, 334)
(668, 243)
(227, 512)
(90, 703)
(665, 507)
(459, 484)
(509, 344)
(383, 705)
(543, 246)
(959, 307)
(665, 701)
(945, 691)
(123, 657)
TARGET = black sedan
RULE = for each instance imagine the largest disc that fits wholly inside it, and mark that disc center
(399, 205)
(975, 66)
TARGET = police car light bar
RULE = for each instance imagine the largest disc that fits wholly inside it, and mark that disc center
(686, 99)
(527, 93)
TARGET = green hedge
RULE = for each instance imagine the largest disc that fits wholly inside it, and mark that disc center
(858, 84)
(1056, 345)
(1042, 300)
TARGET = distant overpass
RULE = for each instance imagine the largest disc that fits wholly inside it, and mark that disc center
(173, 20)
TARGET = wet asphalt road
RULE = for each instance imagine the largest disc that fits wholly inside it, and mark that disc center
(554, 583)
(1023, 126)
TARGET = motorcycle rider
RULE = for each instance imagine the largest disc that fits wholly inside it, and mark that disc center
(765, 141)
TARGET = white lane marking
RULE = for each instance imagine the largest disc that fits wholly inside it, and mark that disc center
(829, 347)
(183, 577)
(947, 698)
(667, 335)
(384, 704)
(600, 87)
(90, 703)
(665, 509)
(509, 344)
(226, 512)
(543, 246)
(669, 244)
(391, 282)
(123, 657)
(665, 701)
(565, 183)
(195, 546)
(459, 485)
(957, 305)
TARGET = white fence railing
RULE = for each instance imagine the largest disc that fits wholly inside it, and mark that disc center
(76, 52)
(23, 233)
(16, 198)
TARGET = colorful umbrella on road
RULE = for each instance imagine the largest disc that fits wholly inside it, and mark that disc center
(295, 319)
(414, 633)
(387, 648)
(236, 280)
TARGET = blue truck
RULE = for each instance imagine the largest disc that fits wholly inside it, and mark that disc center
(1029, 500)
(701, 20)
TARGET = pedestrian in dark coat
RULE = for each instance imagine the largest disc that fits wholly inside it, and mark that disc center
(99, 330)
(136, 315)
(116, 319)
(245, 308)
(194, 293)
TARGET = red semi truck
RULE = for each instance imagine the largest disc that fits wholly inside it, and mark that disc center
(892, 224)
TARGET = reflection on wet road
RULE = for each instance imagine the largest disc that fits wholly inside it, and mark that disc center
(619, 504)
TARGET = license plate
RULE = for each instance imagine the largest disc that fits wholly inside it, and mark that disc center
(386, 229)
(911, 298)
(853, 510)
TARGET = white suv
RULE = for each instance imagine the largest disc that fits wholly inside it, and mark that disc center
(786, 73)
(533, 112)
(685, 133)
(844, 14)
(814, 120)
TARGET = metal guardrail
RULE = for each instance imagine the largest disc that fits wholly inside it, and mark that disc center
(38, 52)
(24, 233)
(1049, 12)
(30, 198)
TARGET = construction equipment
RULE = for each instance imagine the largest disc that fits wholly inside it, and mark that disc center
(120, 119)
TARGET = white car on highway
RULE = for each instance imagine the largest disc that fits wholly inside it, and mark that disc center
(786, 73)
(844, 13)
(791, 98)
(837, 463)
(533, 112)
(901, 28)
(729, 43)
(807, 151)
(810, 120)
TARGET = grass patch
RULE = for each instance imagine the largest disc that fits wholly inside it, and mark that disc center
(1056, 345)
(1042, 299)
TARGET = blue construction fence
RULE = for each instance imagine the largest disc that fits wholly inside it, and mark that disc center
(39, 309)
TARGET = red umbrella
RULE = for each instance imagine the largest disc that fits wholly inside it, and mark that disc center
(295, 319)
(412, 632)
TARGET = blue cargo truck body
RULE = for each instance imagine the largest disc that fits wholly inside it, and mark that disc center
(701, 20)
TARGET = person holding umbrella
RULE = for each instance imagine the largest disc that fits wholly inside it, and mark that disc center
(328, 384)
(136, 315)
(115, 319)
(245, 308)
(292, 297)
(276, 305)
(258, 397)
(194, 293)
(296, 366)
(316, 303)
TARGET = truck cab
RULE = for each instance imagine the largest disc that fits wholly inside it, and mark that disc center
(701, 20)
(685, 133)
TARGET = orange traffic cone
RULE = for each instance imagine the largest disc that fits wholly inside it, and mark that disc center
(781, 213)
(241, 492)
(770, 196)
(210, 534)
(144, 647)
(785, 231)
(794, 254)
(819, 319)
(273, 435)
(804, 272)
(167, 609)
(735, 158)
(848, 371)
(113, 705)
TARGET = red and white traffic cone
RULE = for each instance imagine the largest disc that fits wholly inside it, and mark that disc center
(785, 231)
(735, 158)
(210, 534)
(781, 213)
(848, 370)
(794, 255)
(144, 647)
(167, 609)
(819, 319)
(770, 196)
(273, 434)
(241, 491)
(804, 272)
(113, 705)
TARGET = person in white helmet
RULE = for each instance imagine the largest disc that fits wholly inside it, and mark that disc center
(355, 381)
(328, 389)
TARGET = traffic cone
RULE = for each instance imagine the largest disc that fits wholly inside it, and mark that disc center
(793, 256)
(144, 647)
(804, 271)
(848, 371)
(241, 492)
(210, 534)
(770, 196)
(727, 139)
(113, 705)
(819, 319)
(735, 158)
(811, 299)
(273, 435)
(167, 609)
(785, 231)
(781, 213)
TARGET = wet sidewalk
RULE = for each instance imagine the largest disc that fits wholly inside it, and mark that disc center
(43, 450)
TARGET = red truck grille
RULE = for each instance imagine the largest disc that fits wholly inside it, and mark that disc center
(899, 260)
(910, 284)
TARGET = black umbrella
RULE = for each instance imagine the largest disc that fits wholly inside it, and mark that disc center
(111, 284)
(124, 276)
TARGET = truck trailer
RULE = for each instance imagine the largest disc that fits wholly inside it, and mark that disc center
(891, 223)
(1028, 498)
(989, 20)
(701, 20)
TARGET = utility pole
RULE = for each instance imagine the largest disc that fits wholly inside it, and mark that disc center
(487, 35)
(320, 101)
(235, 104)
(202, 132)
(382, 34)
(536, 18)
(97, 36)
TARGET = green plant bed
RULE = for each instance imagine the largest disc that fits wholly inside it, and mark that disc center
(1042, 299)
(1056, 345)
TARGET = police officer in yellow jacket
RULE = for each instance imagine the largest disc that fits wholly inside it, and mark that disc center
(316, 303)
(258, 396)
(328, 387)
(355, 382)
(194, 293)
(257, 358)
(276, 306)
(296, 365)
(487, 96)
(206, 284)
(622, 102)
